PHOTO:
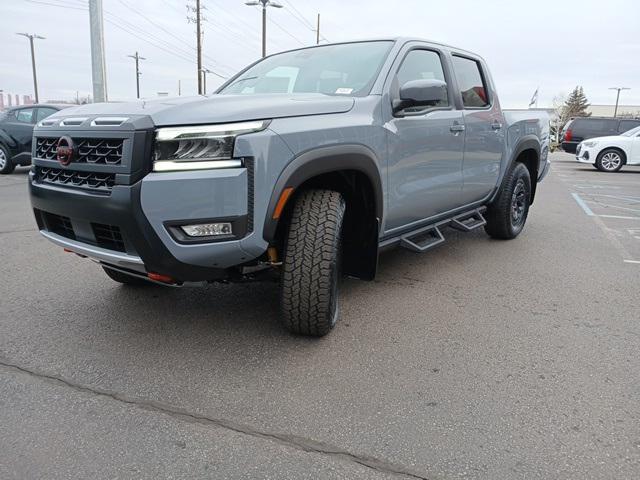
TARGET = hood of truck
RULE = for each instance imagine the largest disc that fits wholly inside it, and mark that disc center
(217, 108)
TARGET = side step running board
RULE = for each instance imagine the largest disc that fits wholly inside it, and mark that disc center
(427, 237)
(468, 221)
(423, 239)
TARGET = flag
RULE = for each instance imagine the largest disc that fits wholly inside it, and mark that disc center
(534, 99)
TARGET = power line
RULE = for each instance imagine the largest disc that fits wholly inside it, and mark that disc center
(295, 13)
(127, 27)
(284, 30)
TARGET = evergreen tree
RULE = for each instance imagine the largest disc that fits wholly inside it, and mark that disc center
(576, 105)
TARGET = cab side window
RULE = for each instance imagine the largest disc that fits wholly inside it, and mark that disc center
(24, 115)
(471, 82)
(421, 65)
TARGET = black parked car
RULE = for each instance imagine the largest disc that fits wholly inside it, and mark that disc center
(581, 128)
(16, 130)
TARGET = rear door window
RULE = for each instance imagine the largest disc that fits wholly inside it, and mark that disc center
(473, 87)
(626, 125)
(594, 127)
(24, 115)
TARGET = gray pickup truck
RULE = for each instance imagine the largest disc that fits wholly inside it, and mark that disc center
(304, 166)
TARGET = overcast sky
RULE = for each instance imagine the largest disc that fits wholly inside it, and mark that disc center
(551, 44)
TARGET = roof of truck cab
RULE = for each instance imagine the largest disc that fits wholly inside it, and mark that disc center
(401, 40)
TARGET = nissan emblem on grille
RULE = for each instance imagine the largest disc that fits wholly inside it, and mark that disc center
(65, 151)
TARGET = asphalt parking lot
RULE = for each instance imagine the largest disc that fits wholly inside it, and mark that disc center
(480, 359)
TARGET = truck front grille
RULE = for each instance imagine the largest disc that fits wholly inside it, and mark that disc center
(100, 182)
(99, 151)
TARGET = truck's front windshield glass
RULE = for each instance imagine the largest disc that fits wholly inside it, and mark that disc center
(346, 69)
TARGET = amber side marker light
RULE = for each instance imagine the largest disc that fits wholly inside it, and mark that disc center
(282, 201)
(158, 277)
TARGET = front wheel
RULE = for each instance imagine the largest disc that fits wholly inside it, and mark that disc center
(609, 160)
(508, 213)
(311, 263)
(6, 165)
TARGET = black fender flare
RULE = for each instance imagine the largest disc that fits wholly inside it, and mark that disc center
(324, 160)
(528, 142)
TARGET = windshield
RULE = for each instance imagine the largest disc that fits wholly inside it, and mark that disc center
(346, 69)
(631, 133)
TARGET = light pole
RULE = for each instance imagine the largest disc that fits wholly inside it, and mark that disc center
(615, 112)
(33, 59)
(265, 4)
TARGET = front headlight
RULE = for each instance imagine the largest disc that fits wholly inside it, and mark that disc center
(201, 146)
(590, 144)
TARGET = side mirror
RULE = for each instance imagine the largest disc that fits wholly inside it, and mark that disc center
(419, 93)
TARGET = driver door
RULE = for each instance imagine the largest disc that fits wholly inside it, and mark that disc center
(426, 147)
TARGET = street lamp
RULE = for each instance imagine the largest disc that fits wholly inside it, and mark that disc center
(265, 4)
(615, 112)
(33, 60)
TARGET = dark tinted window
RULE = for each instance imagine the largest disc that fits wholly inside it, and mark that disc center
(601, 126)
(627, 125)
(472, 86)
(24, 115)
(44, 112)
(421, 65)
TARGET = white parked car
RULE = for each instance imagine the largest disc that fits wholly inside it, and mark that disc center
(609, 154)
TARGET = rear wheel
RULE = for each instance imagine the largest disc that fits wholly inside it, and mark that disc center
(311, 263)
(123, 278)
(6, 165)
(609, 160)
(508, 213)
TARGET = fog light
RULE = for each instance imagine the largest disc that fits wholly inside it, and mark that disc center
(207, 229)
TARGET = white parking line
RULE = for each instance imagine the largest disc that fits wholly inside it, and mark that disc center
(582, 204)
(618, 216)
(632, 261)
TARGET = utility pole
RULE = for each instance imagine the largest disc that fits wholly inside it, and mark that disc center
(615, 112)
(265, 4)
(179, 88)
(137, 58)
(199, 46)
(98, 66)
(198, 19)
(33, 60)
(318, 31)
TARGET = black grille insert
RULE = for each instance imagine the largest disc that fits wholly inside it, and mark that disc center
(101, 151)
(101, 182)
(60, 225)
(108, 236)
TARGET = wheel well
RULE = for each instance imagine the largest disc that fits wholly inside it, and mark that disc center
(529, 158)
(360, 225)
(617, 149)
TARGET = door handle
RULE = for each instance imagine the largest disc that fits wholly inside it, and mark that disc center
(496, 125)
(456, 128)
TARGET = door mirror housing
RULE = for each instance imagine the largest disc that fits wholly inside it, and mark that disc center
(421, 93)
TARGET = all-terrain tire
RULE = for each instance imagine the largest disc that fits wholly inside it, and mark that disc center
(311, 263)
(610, 160)
(6, 165)
(508, 213)
(125, 279)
